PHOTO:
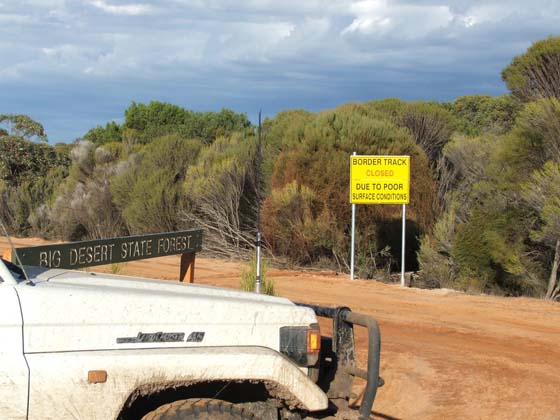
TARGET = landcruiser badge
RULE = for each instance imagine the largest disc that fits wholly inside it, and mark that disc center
(195, 337)
(158, 337)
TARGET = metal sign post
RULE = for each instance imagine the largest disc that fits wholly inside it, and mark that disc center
(402, 245)
(352, 250)
(353, 242)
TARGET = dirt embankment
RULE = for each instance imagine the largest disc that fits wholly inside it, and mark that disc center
(445, 355)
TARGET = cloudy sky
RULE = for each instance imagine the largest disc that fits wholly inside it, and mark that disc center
(75, 64)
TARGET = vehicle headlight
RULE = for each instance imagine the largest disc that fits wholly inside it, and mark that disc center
(301, 344)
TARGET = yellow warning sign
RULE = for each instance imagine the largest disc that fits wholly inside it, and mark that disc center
(379, 179)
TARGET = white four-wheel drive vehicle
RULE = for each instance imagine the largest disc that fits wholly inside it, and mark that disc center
(81, 345)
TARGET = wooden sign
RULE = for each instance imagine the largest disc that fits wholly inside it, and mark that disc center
(75, 255)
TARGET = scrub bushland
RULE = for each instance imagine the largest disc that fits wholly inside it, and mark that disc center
(484, 212)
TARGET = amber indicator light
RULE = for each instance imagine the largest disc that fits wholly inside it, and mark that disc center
(313, 341)
(97, 376)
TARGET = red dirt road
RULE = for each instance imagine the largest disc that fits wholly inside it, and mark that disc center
(445, 355)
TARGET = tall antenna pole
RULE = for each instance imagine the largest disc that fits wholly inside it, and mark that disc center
(259, 156)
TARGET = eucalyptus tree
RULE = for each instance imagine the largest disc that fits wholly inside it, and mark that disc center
(536, 73)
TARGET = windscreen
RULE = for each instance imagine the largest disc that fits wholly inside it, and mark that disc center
(17, 272)
(14, 269)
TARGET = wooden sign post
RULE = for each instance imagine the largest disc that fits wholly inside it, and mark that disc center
(187, 267)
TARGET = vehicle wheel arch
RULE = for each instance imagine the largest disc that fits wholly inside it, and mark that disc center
(148, 397)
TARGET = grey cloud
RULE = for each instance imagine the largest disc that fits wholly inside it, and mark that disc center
(99, 55)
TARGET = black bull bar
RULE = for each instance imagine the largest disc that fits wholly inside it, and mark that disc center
(338, 359)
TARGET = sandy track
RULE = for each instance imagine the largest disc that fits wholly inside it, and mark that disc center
(445, 355)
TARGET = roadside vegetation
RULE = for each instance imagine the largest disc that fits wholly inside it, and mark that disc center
(249, 277)
(484, 214)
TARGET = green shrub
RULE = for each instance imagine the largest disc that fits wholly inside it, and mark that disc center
(249, 277)
(479, 114)
(150, 192)
(307, 215)
(431, 126)
(436, 269)
(298, 225)
(117, 268)
(536, 73)
(158, 119)
(221, 195)
(112, 132)
(83, 206)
